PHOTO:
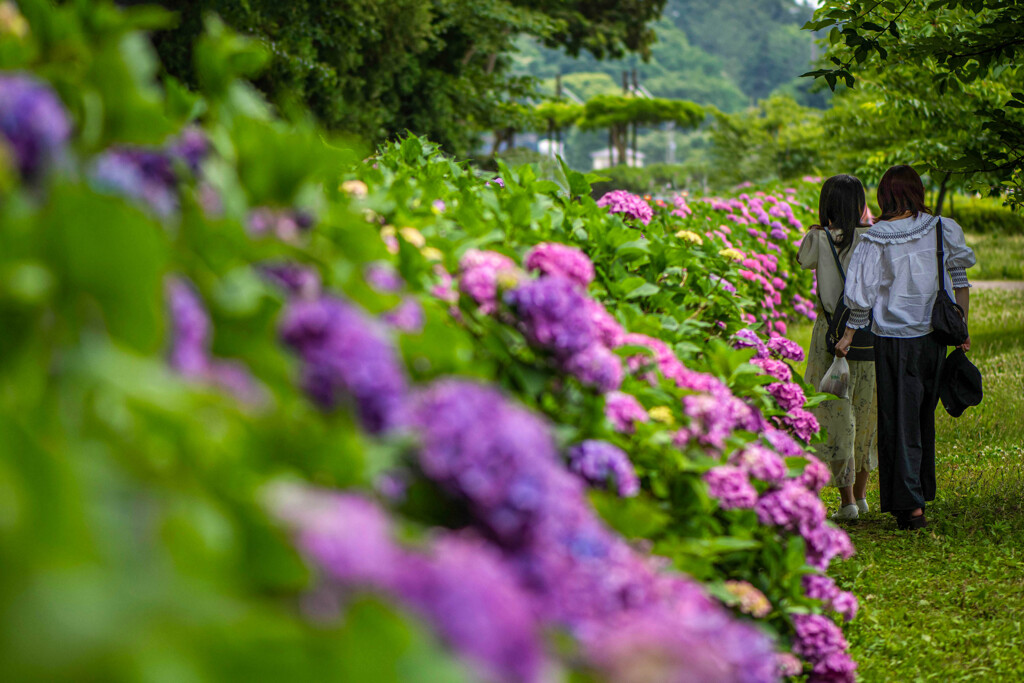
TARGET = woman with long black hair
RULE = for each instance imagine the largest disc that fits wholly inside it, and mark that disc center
(892, 284)
(851, 448)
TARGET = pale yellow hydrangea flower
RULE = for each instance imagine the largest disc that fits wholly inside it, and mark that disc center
(662, 414)
(432, 254)
(356, 188)
(413, 237)
(731, 254)
(690, 236)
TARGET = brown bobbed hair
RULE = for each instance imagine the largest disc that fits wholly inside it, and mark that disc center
(841, 206)
(901, 190)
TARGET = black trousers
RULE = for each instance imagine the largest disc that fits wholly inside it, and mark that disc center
(907, 372)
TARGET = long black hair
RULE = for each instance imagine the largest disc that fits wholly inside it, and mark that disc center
(841, 206)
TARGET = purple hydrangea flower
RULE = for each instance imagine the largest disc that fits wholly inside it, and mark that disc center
(190, 347)
(500, 461)
(298, 281)
(190, 330)
(597, 367)
(497, 456)
(731, 486)
(553, 315)
(473, 599)
(623, 410)
(600, 463)
(628, 204)
(406, 317)
(33, 122)
(786, 348)
(192, 147)
(760, 463)
(480, 272)
(383, 277)
(346, 356)
(145, 175)
(285, 224)
(461, 586)
(788, 395)
(552, 258)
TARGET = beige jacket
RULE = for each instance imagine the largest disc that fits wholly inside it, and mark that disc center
(815, 254)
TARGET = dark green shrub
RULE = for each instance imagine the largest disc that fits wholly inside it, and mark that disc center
(978, 215)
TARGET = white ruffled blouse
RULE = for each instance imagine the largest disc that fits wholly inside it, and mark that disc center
(893, 274)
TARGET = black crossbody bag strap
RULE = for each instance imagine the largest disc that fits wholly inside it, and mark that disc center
(942, 257)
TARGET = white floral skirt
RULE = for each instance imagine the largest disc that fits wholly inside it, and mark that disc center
(851, 423)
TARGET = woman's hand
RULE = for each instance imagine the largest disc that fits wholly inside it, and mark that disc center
(966, 346)
(843, 345)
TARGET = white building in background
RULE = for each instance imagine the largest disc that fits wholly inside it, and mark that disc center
(601, 159)
(549, 147)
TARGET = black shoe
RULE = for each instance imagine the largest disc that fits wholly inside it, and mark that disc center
(905, 522)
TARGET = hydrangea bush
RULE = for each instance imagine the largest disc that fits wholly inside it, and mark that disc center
(278, 406)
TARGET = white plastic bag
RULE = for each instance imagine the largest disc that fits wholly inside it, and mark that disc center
(837, 379)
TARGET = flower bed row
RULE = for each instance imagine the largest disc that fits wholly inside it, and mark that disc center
(556, 434)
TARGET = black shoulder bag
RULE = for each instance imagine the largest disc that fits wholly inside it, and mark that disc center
(863, 345)
(949, 326)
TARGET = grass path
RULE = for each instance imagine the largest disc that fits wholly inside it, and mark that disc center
(947, 603)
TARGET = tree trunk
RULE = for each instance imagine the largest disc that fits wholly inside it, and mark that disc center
(942, 193)
(622, 140)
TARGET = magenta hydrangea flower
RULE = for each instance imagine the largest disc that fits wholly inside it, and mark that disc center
(802, 423)
(609, 331)
(552, 258)
(816, 474)
(792, 507)
(731, 486)
(553, 315)
(627, 204)
(480, 273)
(775, 368)
(782, 443)
(597, 367)
(760, 463)
(823, 588)
(786, 348)
(747, 338)
(824, 543)
(623, 410)
(346, 357)
(788, 395)
(33, 122)
(601, 463)
(821, 643)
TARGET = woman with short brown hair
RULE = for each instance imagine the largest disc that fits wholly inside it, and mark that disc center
(891, 284)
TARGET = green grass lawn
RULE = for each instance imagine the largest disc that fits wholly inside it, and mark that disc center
(946, 603)
(1000, 256)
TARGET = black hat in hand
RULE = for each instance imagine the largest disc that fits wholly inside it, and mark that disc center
(960, 386)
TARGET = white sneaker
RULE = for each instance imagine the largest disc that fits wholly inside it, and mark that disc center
(847, 513)
(862, 506)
